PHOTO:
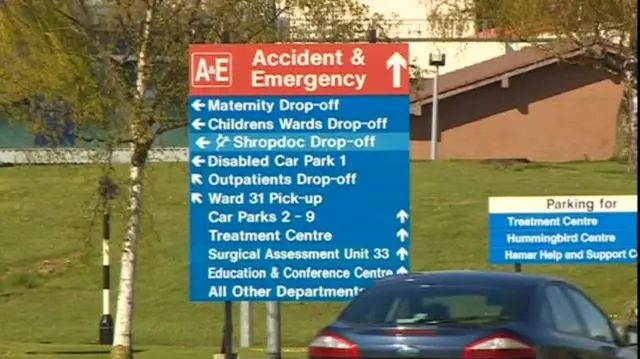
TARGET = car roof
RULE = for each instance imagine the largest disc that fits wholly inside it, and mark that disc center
(470, 277)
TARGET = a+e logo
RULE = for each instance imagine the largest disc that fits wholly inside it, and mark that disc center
(210, 69)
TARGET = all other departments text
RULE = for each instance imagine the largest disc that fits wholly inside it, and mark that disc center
(281, 291)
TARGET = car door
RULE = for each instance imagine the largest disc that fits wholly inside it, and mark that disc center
(599, 330)
(563, 330)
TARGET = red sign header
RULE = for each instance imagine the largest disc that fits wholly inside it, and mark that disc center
(298, 69)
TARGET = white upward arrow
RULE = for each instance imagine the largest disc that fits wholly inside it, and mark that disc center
(402, 253)
(196, 178)
(402, 270)
(402, 234)
(196, 198)
(198, 124)
(402, 216)
(198, 105)
(397, 62)
(197, 161)
(202, 142)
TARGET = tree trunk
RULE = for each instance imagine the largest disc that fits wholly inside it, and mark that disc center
(142, 137)
(122, 344)
(632, 123)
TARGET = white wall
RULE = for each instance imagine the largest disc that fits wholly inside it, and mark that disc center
(459, 54)
(413, 15)
(413, 24)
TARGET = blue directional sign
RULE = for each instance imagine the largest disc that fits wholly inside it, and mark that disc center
(303, 194)
(563, 229)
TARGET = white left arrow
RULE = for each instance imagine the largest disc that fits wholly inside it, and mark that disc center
(198, 105)
(202, 142)
(402, 235)
(198, 124)
(198, 161)
(402, 270)
(397, 62)
(196, 198)
(196, 179)
(402, 253)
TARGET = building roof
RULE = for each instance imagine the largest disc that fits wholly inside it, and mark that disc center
(484, 73)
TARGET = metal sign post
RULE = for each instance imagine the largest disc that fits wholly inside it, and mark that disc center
(107, 190)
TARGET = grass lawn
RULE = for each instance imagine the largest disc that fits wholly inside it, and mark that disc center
(50, 267)
(15, 350)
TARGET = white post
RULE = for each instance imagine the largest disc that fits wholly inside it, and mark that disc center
(274, 349)
(245, 325)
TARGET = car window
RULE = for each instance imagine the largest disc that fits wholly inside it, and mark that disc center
(565, 319)
(545, 315)
(596, 323)
(413, 304)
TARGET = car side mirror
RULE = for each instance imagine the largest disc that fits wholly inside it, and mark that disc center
(631, 335)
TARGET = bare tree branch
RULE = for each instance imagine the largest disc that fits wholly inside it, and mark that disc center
(169, 126)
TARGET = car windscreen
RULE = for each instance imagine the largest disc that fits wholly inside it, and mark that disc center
(424, 304)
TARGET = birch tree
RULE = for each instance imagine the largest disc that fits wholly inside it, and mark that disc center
(605, 29)
(122, 65)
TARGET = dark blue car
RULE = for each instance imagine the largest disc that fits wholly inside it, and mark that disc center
(472, 315)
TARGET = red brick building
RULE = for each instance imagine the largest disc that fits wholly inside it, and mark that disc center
(525, 104)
